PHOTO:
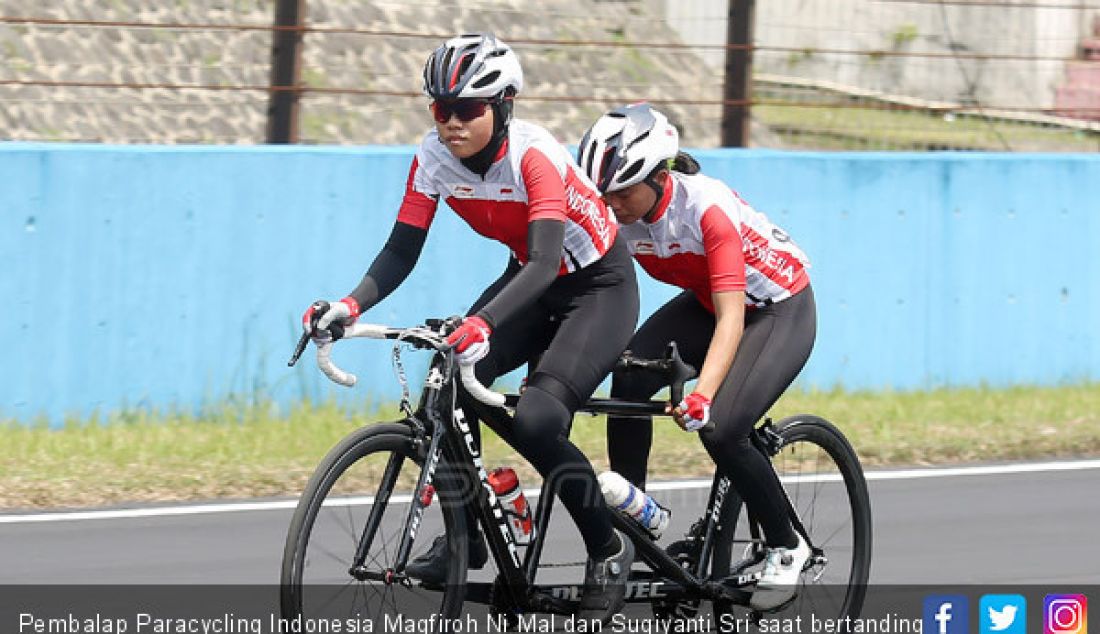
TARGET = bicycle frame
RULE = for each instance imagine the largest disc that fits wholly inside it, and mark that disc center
(442, 434)
(441, 410)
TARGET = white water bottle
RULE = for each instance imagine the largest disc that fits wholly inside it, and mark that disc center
(634, 502)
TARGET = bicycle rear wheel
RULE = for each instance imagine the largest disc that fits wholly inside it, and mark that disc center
(368, 480)
(824, 481)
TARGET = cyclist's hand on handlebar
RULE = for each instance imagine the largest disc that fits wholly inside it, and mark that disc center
(471, 340)
(320, 316)
(693, 413)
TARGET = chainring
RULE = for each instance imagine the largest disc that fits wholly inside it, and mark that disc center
(686, 554)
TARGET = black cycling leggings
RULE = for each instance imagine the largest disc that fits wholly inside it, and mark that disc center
(580, 326)
(775, 345)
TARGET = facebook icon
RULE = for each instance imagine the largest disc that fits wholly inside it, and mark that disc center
(946, 614)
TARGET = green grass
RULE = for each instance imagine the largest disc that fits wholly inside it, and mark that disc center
(871, 129)
(239, 452)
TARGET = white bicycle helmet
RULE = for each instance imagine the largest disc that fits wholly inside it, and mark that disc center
(625, 145)
(472, 65)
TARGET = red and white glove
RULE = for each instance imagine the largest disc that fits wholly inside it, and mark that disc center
(694, 411)
(471, 340)
(343, 312)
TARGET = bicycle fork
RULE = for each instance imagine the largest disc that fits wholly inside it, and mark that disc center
(421, 498)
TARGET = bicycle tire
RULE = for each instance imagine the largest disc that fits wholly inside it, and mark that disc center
(846, 540)
(326, 589)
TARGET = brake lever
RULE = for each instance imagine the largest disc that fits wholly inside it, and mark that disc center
(319, 308)
(303, 341)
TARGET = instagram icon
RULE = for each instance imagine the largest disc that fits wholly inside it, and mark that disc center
(1065, 614)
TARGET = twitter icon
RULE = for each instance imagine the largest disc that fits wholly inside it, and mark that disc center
(1002, 614)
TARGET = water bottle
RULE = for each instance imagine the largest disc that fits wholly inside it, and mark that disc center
(634, 502)
(505, 484)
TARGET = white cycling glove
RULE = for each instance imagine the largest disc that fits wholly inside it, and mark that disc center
(471, 340)
(694, 411)
(343, 312)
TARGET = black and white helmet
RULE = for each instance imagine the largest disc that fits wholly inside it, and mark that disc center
(625, 145)
(472, 65)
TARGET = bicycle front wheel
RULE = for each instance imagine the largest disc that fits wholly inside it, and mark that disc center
(358, 501)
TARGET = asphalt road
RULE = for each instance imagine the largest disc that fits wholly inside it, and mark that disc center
(1033, 527)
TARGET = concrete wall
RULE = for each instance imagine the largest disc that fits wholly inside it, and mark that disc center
(145, 276)
(389, 64)
(1050, 32)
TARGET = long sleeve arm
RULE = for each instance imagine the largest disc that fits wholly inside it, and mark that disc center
(392, 265)
(544, 240)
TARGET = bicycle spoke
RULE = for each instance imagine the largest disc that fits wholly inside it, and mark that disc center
(351, 526)
(322, 534)
(375, 590)
(335, 596)
(332, 555)
(827, 540)
(816, 468)
(385, 563)
(817, 491)
(834, 606)
(360, 591)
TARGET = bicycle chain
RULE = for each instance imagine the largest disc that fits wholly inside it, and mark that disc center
(562, 565)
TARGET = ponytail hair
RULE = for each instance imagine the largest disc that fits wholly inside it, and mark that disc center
(684, 163)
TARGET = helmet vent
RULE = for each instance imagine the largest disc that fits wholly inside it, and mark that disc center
(447, 58)
(631, 171)
(464, 64)
(591, 155)
(641, 137)
(487, 79)
(605, 160)
(429, 71)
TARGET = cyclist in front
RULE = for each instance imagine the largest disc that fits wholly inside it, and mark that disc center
(746, 316)
(568, 289)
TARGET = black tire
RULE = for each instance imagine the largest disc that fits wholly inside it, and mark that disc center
(328, 523)
(824, 481)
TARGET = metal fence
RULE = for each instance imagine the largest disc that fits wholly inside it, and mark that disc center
(870, 74)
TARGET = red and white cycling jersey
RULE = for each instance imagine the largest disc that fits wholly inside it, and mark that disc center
(533, 178)
(707, 239)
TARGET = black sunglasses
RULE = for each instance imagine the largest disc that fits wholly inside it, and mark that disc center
(465, 109)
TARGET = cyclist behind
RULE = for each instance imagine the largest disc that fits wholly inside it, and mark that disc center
(746, 316)
(568, 288)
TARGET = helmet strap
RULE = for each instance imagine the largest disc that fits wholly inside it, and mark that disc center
(658, 189)
(502, 116)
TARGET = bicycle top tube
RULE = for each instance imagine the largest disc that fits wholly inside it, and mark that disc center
(613, 406)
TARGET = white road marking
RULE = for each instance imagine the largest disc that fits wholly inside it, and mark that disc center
(677, 485)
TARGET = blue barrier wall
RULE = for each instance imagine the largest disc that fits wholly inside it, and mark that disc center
(153, 276)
